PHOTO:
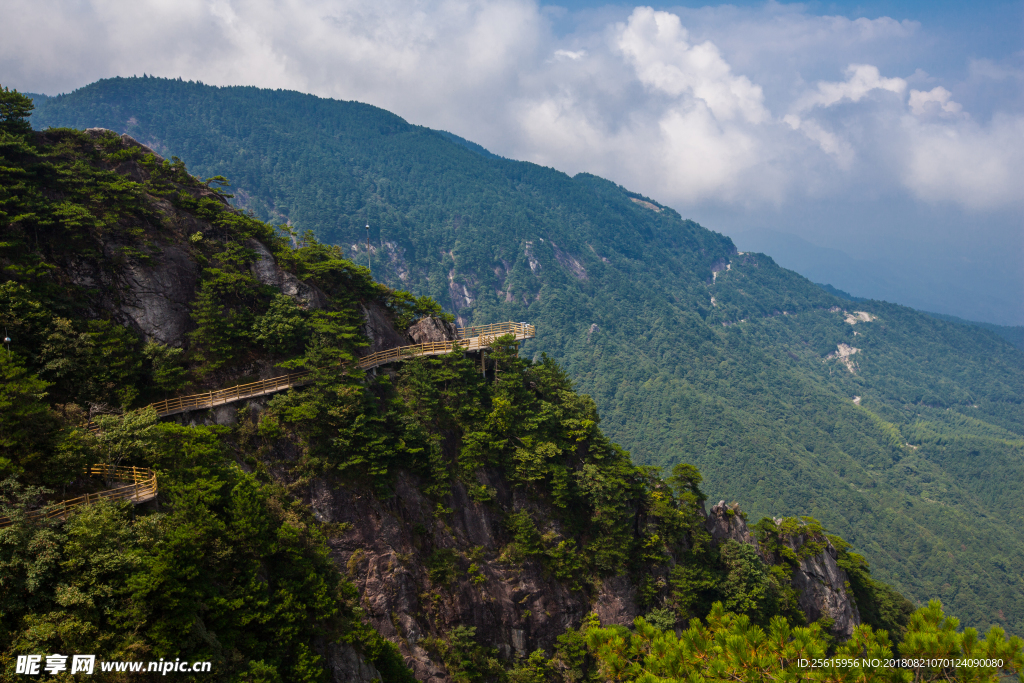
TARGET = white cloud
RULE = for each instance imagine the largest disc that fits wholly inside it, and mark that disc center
(656, 45)
(974, 166)
(935, 100)
(720, 105)
(829, 142)
(569, 54)
(861, 80)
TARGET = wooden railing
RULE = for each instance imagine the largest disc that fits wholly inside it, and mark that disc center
(209, 399)
(521, 330)
(143, 487)
(469, 339)
(480, 337)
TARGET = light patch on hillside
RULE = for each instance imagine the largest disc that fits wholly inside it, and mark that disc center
(859, 317)
(647, 205)
(843, 353)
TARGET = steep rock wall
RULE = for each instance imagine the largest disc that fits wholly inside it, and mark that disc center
(821, 585)
(387, 547)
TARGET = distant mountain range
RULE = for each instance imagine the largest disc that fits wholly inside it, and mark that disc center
(1014, 335)
(900, 431)
(918, 275)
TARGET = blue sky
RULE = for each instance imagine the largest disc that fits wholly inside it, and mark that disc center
(889, 133)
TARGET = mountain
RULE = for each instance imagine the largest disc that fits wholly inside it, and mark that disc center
(329, 517)
(1013, 334)
(901, 432)
(969, 281)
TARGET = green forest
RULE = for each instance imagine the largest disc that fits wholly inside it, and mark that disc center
(910, 448)
(232, 567)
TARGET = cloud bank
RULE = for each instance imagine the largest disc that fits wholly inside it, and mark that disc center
(644, 100)
(745, 109)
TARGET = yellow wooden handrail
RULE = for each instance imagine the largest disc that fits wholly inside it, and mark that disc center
(469, 339)
(143, 487)
(218, 397)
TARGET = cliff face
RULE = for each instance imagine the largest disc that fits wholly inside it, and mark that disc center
(387, 545)
(387, 550)
(822, 587)
(150, 287)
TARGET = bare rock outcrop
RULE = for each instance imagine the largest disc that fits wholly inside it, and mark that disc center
(616, 602)
(158, 297)
(725, 522)
(267, 272)
(347, 666)
(431, 330)
(821, 585)
(395, 551)
(818, 579)
(152, 296)
(379, 329)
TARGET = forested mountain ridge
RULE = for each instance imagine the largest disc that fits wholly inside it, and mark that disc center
(469, 510)
(901, 432)
(1013, 334)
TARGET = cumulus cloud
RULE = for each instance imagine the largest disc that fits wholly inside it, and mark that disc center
(760, 106)
(861, 80)
(655, 44)
(935, 100)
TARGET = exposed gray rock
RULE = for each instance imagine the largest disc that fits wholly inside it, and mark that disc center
(725, 522)
(129, 141)
(226, 415)
(264, 268)
(158, 297)
(379, 329)
(822, 588)
(616, 602)
(432, 330)
(820, 582)
(387, 549)
(267, 272)
(347, 666)
(519, 641)
(311, 296)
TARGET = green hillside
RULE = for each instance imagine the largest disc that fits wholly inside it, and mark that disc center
(912, 448)
(508, 519)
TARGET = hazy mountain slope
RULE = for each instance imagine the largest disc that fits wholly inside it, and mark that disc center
(1011, 333)
(692, 351)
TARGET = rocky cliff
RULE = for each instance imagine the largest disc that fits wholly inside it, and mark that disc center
(822, 587)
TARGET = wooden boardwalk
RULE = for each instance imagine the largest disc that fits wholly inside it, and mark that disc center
(139, 486)
(140, 483)
(474, 338)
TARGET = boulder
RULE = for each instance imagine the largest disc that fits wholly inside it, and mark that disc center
(432, 330)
